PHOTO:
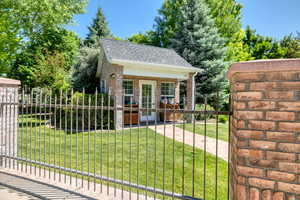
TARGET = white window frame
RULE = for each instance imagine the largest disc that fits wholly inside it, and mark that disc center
(128, 95)
(161, 95)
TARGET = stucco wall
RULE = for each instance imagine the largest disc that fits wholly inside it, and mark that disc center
(8, 118)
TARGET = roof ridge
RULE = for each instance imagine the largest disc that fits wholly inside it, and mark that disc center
(146, 45)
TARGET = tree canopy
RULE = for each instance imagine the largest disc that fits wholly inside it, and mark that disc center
(261, 47)
(291, 45)
(23, 21)
(49, 43)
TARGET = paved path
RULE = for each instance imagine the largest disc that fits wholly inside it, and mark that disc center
(199, 140)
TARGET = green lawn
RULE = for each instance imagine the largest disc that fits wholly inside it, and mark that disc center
(210, 130)
(131, 148)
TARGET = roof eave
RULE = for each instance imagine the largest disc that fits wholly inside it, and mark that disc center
(176, 67)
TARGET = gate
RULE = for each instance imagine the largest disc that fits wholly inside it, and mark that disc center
(70, 137)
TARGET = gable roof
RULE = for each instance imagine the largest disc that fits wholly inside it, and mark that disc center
(116, 50)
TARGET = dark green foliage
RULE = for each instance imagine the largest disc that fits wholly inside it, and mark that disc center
(227, 16)
(9, 40)
(261, 47)
(27, 22)
(291, 45)
(226, 13)
(166, 23)
(86, 119)
(148, 38)
(198, 41)
(98, 29)
(84, 71)
(49, 43)
(223, 119)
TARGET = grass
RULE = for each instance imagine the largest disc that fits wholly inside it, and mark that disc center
(223, 129)
(124, 154)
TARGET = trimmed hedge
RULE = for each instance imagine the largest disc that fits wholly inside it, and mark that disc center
(86, 116)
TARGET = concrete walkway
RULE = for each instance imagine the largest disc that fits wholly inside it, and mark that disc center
(199, 140)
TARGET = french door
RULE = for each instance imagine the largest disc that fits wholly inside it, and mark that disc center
(147, 99)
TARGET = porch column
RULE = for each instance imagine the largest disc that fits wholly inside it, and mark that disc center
(177, 92)
(117, 92)
(190, 95)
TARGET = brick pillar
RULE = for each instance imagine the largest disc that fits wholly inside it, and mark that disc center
(8, 117)
(177, 92)
(118, 93)
(265, 134)
(190, 95)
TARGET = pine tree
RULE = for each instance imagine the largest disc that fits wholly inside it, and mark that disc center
(97, 30)
(198, 41)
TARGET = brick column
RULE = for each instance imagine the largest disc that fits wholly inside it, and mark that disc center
(8, 117)
(118, 92)
(190, 95)
(177, 92)
(265, 134)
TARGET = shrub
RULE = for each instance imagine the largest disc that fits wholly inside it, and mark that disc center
(223, 119)
(201, 107)
(88, 115)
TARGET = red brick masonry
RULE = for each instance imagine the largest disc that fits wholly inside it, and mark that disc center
(265, 134)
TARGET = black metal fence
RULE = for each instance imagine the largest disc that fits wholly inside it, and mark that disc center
(71, 137)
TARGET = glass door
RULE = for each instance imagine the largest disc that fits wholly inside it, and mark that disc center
(147, 99)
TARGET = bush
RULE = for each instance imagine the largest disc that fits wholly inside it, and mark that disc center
(201, 107)
(87, 116)
(223, 119)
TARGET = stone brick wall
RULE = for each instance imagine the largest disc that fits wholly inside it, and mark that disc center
(8, 117)
(114, 86)
(265, 133)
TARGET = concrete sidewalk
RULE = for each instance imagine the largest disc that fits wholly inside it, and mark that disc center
(40, 187)
(211, 143)
(20, 188)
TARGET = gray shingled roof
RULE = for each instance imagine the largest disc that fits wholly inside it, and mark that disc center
(121, 50)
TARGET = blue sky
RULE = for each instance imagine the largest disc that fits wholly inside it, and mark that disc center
(274, 18)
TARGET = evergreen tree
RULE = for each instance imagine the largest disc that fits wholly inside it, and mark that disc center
(84, 71)
(198, 41)
(226, 13)
(97, 30)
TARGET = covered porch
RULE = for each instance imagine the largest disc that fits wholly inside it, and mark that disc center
(151, 89)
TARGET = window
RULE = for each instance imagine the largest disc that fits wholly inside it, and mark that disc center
(168, 93)
(128, 91)
(103, 86)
